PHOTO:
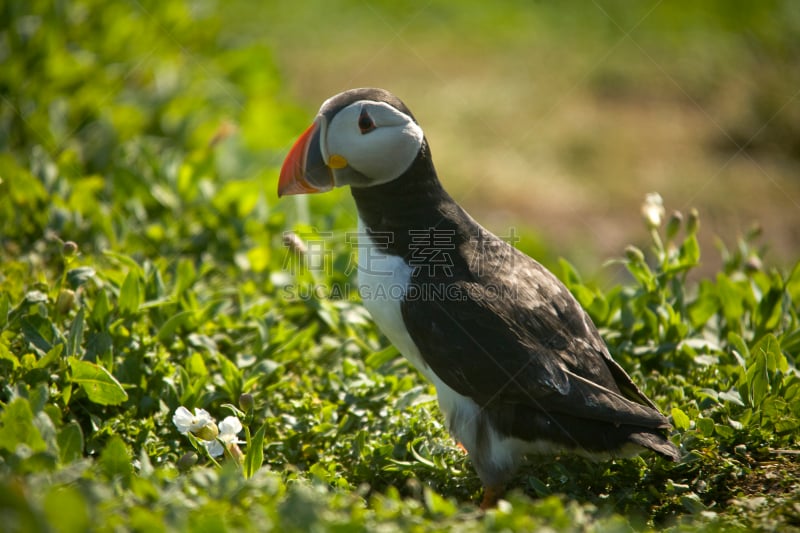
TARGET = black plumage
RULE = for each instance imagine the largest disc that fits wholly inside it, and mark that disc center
(498, 328)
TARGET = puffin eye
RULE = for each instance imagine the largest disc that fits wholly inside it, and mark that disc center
(365, 122)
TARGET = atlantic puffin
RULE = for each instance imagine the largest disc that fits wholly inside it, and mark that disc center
(518, 365)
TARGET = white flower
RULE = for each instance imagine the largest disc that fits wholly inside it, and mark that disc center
(653, 210)
(228, 429)
(187, 422)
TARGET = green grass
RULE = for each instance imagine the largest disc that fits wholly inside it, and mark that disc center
(144, 267)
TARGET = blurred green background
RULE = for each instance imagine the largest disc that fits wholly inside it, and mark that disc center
(560, 116)
(555, 118)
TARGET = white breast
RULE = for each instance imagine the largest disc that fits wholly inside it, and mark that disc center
(382, 282)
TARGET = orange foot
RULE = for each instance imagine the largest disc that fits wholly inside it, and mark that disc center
(490, 497)
(461, 447)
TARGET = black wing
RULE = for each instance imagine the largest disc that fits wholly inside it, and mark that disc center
(505, 332)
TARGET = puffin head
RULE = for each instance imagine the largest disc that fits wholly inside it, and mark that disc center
(361, 138)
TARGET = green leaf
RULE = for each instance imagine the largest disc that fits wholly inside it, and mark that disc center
(115, 460)
(98, 383)
(66, 509)
(776, 360)
(196, 366)
(38, 398)
(705, 305)
(51, 358)
(569, 275)
(437, 505)
(690, 251)
(680, 418)
(130, 294)
(769, 309)
(5, 307)
(167, 331)
(70, 442)
(127, 261)
(724, 431)
(17, 427)
(643, 274)
(75, 336)
(692, 503)
(255, 452)
(705, 426)
(732, 300)
(736, 340)
(231, 375)
(100, 310)
(38, 331)
(381, 357)
(66, 392)
(9, 356)
(732, 396)
(790, 341)
(79, 276)
(539, 486)
(757, 379)
(184, 277)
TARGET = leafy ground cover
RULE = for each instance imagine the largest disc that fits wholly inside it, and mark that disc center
(145, 266)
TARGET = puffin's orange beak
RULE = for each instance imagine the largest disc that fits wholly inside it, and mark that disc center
(304, 170)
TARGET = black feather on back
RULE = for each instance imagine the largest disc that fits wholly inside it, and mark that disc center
(502, 330)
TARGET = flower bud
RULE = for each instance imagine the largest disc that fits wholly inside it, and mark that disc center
(65, 300)
(187, 460)
(753, 264)
(653, 210)
(633, 254)
(693, 224)
(754, 232)
(235, 452)
(69, 249)
(674, 224)
(246, 402)
(207, 432)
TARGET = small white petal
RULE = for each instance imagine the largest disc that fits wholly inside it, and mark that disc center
(229, 428)
(214, 448)
(185, 421)
(201, 418)
(182, 419)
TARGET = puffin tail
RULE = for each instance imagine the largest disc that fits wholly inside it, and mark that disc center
(656, 442)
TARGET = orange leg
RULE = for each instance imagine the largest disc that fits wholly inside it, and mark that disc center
(490, 496)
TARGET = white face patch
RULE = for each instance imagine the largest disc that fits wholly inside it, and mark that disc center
(381, 154)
